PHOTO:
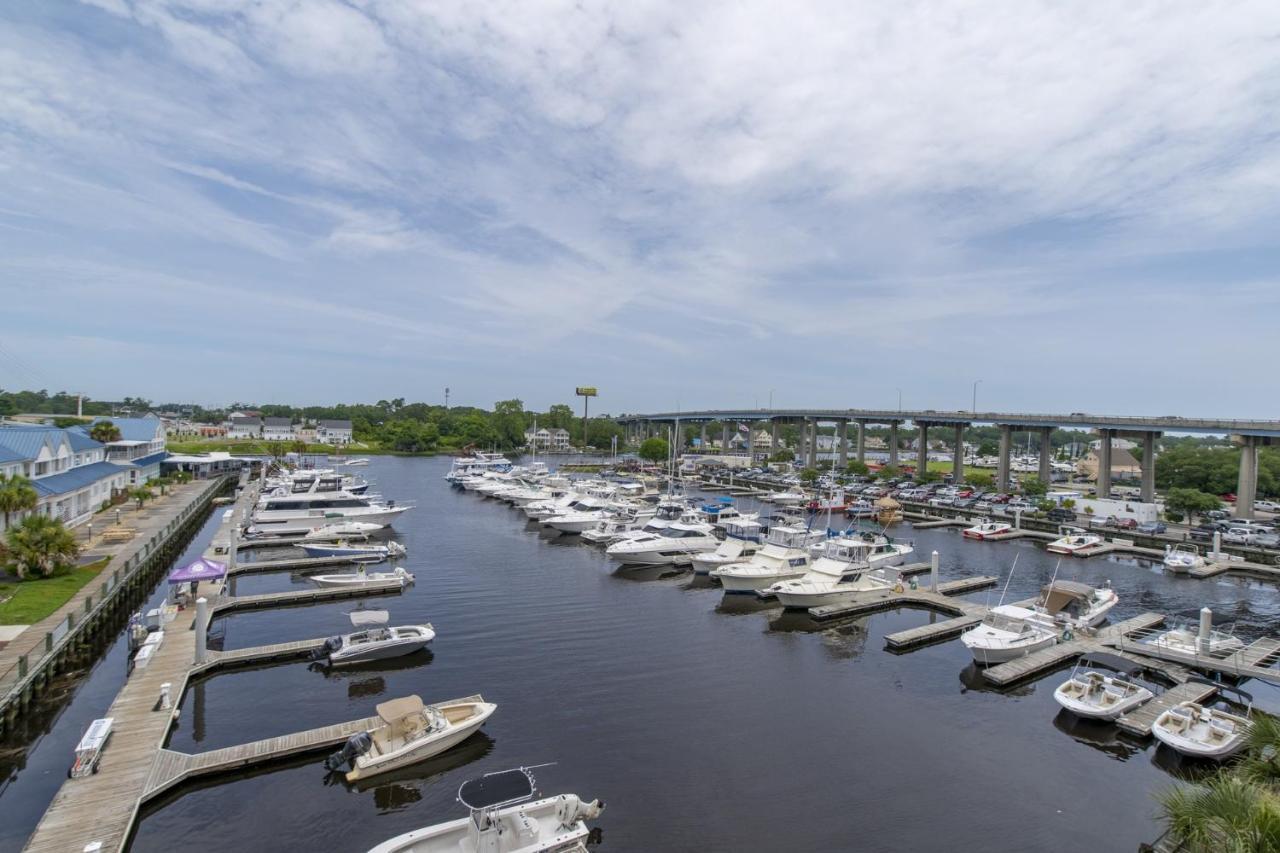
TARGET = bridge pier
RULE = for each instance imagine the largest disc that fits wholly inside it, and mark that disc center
(1002, 460)
(1247, 485)
(724, 437)
(893, 443)
(773, 434)
(862, 442)
(1046, 455)
(1149, 466)
(957, 462)
(922, 455)
(842, 438)
(813, 443)
(1104, 463)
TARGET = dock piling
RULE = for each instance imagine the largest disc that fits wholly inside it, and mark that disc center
(202, 628)
(933, 571)
(1206, 626)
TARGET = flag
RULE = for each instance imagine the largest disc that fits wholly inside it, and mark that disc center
(743, 428)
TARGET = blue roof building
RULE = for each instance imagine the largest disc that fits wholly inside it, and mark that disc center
(69, 470)
(140, 448)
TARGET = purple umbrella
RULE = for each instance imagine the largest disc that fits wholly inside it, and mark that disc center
(200, 570)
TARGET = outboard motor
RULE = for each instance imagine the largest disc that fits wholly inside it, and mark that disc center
(573, 808)
(330, 646)
(356, 745)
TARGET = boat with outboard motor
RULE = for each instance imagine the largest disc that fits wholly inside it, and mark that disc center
(1182, 558)
(1094, 692)
(986, 530)
(1073, 542)
(375, 640)
(360, 577)
(409, 732)
(1218, 643)
(1071, 605)
(341, 530)
(505, 819)
(1201, 731)
(355, 553)
(848, 565)
(784, 555)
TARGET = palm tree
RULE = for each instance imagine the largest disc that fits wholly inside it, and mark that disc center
(162, 482)
(141, 494)
(104, 432)
(1226, 813)
(41, 545)
(16, 495)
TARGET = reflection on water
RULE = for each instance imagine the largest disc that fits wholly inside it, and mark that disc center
(1102, 735)
(648, 573)
(971, 678)
(398, 788)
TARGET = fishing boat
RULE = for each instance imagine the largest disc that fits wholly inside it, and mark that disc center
(505, 819)
(341, 530)
(1074, 542)
(740, 544)
(848, 565)
(986, 530)
(1007, 632)
(675, 544)
(376, 641)
(785, 556)
(360, 577)
(1182, 558)
(1098, 694)
(355, 553)
(408, 732)
(1201, 731)
(1072, 605)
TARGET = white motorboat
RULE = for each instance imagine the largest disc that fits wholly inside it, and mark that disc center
(302, 513)
(848, 565)
(504, 819)
(1101, 695)
(860, 509)
(674, 544)
(1202, 732)
(612, 528)
(731, 550)
(355, 463)
(1182, 558)
(1074, 542)
(376, 641)
(787, 498)
(1218, 644)
(470, 466)
(1006, 633)
(785, 555)
(722, 512)
(1065, 605)
(356, 553)
(581, 515)
(342, 530)
(409, 732)
(986, 530)
(360, 577)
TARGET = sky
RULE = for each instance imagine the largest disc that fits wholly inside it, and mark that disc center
(687, 205)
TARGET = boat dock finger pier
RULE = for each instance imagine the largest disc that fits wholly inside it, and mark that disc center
(103, 808)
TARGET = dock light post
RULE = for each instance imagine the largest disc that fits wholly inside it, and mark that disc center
(202, 629)
(933, 571)
(976, 383)
(1206, 626)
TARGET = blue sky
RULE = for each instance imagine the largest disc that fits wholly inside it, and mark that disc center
(683, 204)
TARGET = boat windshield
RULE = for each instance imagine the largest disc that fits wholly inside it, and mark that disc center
(1001, 622)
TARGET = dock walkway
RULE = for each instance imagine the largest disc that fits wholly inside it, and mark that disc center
(1139, 721)
(288, 564)
(1036, 663)
(234, 603)
(887, 599)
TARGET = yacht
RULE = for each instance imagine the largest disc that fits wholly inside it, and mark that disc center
(375, 641)
(301, 513)
(360, 577)
(848, 566)
(409, 732)
(860, 509)
(1074, 542)
(1006, 633)
(341, 530)
(582, 514)
(355, 553)
(741, 542)
(1099, 694)
(470, 466)
(785, 555)
(721, 513)
(674, 544)
(787, 498)
(611, 528)
(1195, 730)
(1072, 605)
(504, 819)
(986, 530)
(1182, 558)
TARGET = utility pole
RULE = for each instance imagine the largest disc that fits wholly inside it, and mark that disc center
(446, 399)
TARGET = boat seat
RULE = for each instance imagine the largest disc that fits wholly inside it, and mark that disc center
(526, 827)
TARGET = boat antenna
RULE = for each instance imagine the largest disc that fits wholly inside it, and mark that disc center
(1009, 579)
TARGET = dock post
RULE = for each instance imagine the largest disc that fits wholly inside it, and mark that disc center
(232, 547)
(202, 628)
(1217, 546)
(933, 571)
(1017, 519)
(1206, 625)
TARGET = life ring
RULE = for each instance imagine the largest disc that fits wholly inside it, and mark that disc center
(1067, 635)
(898, 587)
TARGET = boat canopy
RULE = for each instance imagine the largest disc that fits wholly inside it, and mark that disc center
(199, 570)
(1060, 595)
(394, 710)
(369, 617)
(1115, 663)
(496, 789)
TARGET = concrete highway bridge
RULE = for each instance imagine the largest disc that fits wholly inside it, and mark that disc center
(1249, 435)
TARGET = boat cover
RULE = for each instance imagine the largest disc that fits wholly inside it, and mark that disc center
(369, 617)
(496, 789)
(1115, 663)
(1061, 594)
(200, 570)
(397, 709)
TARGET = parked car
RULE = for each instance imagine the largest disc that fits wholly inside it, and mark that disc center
(1152, 528)
(1266, 506)
(1267, 540)
(982, 506)
(1216, 515)
(963, 503)
(1203, 533)
(1001, 498)
(1239, 535)
(1061, 514)
(1123, 523)
(1098, 523)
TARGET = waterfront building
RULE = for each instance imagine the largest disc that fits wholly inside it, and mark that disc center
(69, 470)
(334, 432)
(547, 440)
(244, 426)
(277, 429)
(140, 448)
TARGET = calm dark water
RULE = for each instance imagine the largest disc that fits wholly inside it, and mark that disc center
(703, 727)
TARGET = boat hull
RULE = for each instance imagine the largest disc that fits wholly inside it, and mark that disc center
(428, 746)
(460, 835)
(307, 523)
(382, 651)
(736, 583)
(987, 655)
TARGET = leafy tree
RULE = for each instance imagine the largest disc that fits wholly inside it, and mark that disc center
(888, 472)
(298, 446)
(104, 432)
(809, 476)
(988, 448)
(16, 495)
(141, 494)
(783, 456)
(927, 477)
(857, 469)
(508, 422)
(1190, 502)
(559, 416)
(981, 479)
(161, 482)
(40, 545)
(655, 450)
(1034, 487)
(410, 436)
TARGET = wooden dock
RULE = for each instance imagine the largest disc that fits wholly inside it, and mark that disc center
(173, 768)
(289, 564)
(253, 655)
(1036, 663)
(231, 604)
(887, 599)
(1256, 660)
(1139, 721)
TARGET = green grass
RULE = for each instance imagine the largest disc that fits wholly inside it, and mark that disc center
(263, 448)
(27, 602)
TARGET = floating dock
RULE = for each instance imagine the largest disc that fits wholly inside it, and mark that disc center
(1139, 721)
(887, 599)
(1036, 663)
(287, 565)
(235, 603)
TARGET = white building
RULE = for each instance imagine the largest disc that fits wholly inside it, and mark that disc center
(547, 440)
(69, 471)
(334, 432)
(140, 448)
(277, 429)
(244, 426)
